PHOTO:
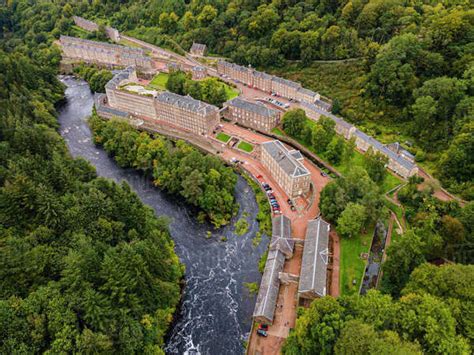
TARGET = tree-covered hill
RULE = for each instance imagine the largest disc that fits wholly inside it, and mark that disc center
(414, 77)
(432, 317)
(85, 267)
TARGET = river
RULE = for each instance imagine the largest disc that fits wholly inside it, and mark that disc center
(215, 316)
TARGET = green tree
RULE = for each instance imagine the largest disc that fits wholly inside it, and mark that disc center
(335, 150)
(452, 283)
(403, 256)
(294, 122)
(375, 164)
(351, 220)
(207, 15)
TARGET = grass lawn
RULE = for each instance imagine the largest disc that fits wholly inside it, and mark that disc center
(345, 166)
(389, 183)
(351, 265)
(126, 42)
(231, 92)
(278, 131)
(80, 32)
(159, 82)
(223, 137)
(245, 146)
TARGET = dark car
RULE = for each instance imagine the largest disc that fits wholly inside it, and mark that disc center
(293, 208)
(262, 333)
(324, 174)
(263, 327)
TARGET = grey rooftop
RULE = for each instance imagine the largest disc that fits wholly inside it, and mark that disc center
(308, 92)
(198, 47)
(287, 162)
(315, 258)
(186, 103)
(286, 82)
(119, 77)
(269, 286)
(259, 109)
(384, 150)
(75, 40)
(323, 104)
(281, 235)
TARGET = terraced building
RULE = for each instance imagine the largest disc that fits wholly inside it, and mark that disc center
(104, 53)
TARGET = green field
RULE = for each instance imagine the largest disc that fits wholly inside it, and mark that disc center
(231, 92)
(278, 131)
(389, 183)
(159, 82)
(247, 147)
(351, 265)
(223, 137)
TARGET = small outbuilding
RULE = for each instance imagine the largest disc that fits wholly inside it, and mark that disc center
(198, 49)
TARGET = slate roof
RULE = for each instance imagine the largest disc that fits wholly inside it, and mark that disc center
(397, 148)
(269, 286)
(287, 162)
(98, 103)
(281, 235)
(315, 258)
(296, 154)
(199, 68)
(67, 40)
(186, 102)
(323, 104)
(308, 92)
(286, 82)
(384, 150)
(198, 47)
(119, 77)
(261, 74)
(259, 109)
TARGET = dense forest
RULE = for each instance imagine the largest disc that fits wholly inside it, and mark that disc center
(415, 58)
(209, 90)
(85, 267)
(79, 270)
(202, 180)
(433, 316)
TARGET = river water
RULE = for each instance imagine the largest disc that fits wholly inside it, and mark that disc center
(215, 316)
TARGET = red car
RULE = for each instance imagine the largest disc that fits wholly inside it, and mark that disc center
(263, 327)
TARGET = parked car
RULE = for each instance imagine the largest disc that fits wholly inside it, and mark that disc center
(290, 202)
(324, 174)
(263, 327)
(262, 333)
(293, 208)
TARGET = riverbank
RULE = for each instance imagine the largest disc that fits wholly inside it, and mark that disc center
(215, 298)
